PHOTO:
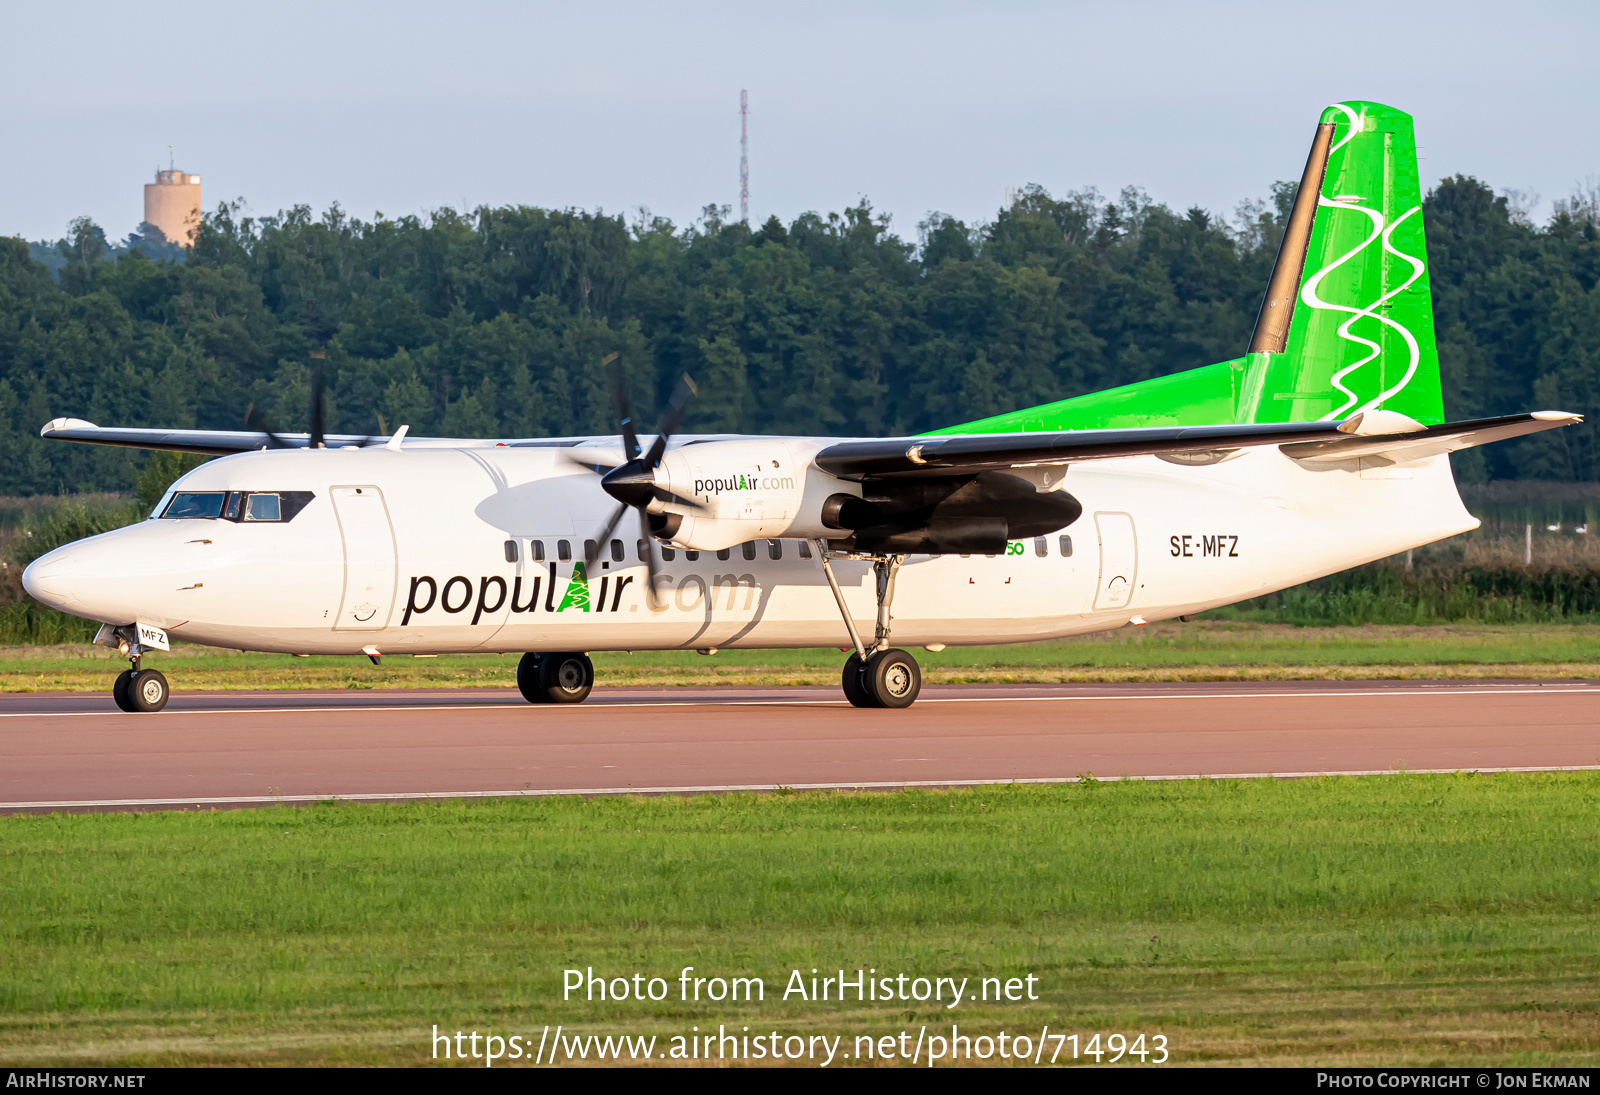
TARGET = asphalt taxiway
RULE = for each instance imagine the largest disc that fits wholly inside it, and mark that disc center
(75, 751)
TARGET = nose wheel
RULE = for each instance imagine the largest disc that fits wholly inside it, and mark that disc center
(140, 690)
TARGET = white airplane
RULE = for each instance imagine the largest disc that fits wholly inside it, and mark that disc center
(1322, 448)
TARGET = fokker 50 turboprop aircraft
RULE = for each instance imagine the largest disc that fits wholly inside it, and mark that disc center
(1323, 447)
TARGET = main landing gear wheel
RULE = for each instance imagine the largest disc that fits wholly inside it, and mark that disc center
(854, 690)
(892, 679)
(147, 690)
(119, 691)
(528, 679)
(555, 678)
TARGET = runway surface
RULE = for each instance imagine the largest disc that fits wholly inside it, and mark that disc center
(76, 751)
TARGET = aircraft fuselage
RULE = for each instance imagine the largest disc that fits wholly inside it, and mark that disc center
(435, 551)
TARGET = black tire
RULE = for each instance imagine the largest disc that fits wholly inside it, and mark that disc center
(566, 678)
(148, 691)
(120, 693)
(855, 690)
(528, 679)
(893, 678)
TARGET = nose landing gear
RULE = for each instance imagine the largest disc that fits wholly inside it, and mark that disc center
(136, 688)
(879, 675)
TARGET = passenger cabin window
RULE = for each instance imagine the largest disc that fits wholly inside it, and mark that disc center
(618, 553)
(1066, 547)
(511, 551)
(240, 505)
(643, 549)
(564, 550)
(691, 555)
(749, 549)
(774, 549)
(805, 549)
(591, 550)
(724, 553)
(1041, 546)
(536, 550)
(669, 554)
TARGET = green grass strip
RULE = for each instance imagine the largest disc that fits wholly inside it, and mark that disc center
(1404, 919)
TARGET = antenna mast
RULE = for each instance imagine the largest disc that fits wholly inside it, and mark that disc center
(744, 156)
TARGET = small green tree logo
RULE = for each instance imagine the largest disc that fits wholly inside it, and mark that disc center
(577, 595)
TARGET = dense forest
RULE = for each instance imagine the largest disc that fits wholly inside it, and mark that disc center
(494, 322)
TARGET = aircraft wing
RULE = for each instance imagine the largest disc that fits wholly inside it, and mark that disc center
(1428, 441)
(963, 454)
(224, 442)
(201, 442)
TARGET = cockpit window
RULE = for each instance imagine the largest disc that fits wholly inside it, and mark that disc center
(248, 506)
(208, 504)
(264, 507)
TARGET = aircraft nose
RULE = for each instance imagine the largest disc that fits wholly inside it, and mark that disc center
(52, 578)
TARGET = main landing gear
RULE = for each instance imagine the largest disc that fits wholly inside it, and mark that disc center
(555, 678)
(879, 675)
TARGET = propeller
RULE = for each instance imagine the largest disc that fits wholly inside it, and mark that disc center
(318, 438)
(632, 483)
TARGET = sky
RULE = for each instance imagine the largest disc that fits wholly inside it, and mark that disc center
(403, 107)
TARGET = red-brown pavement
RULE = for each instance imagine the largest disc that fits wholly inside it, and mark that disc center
(76, 751)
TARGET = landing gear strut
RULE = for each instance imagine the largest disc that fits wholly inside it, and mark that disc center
(555, 678)
(877, 675)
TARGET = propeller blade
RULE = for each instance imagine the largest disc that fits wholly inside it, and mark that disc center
(591, 556)
(588, 465)
(669, 425)
(619, 395)
(318, 434)
(666, 495)
(252, 420)
(651, 560)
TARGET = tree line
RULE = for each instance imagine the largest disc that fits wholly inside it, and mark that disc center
(494, 321)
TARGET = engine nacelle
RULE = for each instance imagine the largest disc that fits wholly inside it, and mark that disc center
(745, 489)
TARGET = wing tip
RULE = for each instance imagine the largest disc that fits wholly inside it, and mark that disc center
(66, 424)
(1564, 417)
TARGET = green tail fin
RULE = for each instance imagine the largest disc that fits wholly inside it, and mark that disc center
(1346, 323)
(1359, 334)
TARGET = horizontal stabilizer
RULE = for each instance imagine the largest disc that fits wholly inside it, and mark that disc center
(1417, 444)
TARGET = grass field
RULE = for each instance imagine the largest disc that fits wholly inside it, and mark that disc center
(1203, 650)
(1336, 921)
